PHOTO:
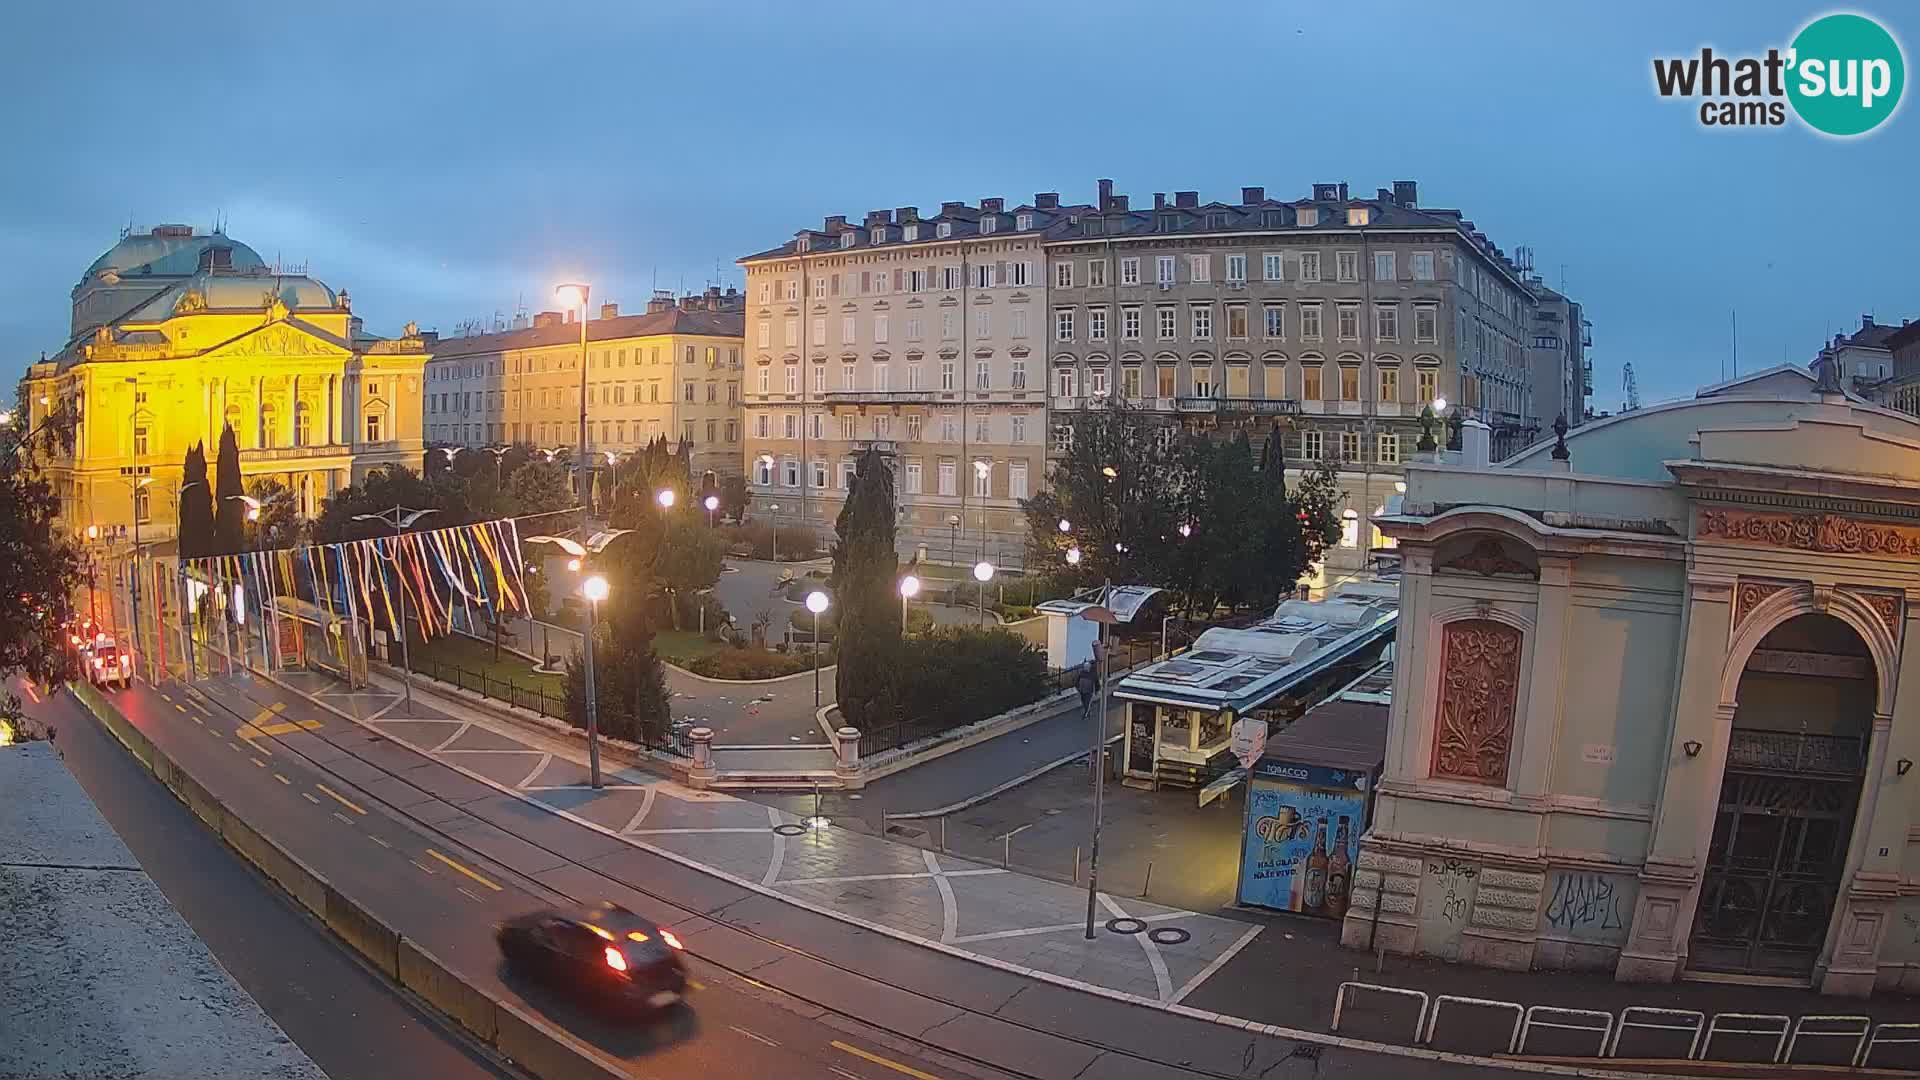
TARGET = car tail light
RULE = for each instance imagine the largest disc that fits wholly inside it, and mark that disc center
(615, 959)
(672, 942)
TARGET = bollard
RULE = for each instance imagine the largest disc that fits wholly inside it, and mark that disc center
(1076, 864)
(1147, 884)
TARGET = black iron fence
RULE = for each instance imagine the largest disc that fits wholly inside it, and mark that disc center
(536, 698)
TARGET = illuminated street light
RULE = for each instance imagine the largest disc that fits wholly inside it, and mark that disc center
(712, 503)
(1439, 404)
(1065, 525)
(252, 504)
(817, 602)
(1108, 472)
(1186, 529)
(983, 573)
(594, 588)
(573, 565)
(665, 498)
(909, 588)
(1073, 556)
(6, 417)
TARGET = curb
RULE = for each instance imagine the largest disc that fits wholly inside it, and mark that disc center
(975, 800)
(528, 1042)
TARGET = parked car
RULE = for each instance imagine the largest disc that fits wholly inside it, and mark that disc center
(107, 663)
(604, 955)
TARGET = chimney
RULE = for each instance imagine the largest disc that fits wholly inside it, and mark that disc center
(662, 301)
(1476, 444)
(1046, 200)
(1406, 193)
(1119, 204)
(1159, 200)
(906, 215)
(1186, 199)
(836, 223)
(879, 217)
(1383, 195)
(1343, 191)
(1866, 321)
(609, 311)
(1106, 195)
(950, 207)
(545, 319)
(1326, 192)
(429, 338)
(1251, 195)
(992, 206)
(569, 317)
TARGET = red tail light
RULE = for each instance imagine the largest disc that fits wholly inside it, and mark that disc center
(615, 960)
(672, 942)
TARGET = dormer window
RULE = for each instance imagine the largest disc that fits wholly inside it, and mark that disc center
(988, 223)
(800, 244)
(943, 230)
(1273, 219)
(910, 233)
(1023, 222)
(1216, 221)
(1168, 223)
(1359, 215)
(846, 239)
(879, 234)
(1309, 216)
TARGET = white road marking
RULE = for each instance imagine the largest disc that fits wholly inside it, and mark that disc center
(755, 1036)
(545, 760)
(779, 850)
(1154, 960)
(424, 868)
(449, 740)
(379, 841)
(1216, 964)
(307, 796)
(646, 807)
(344, 819)
(283, 779)
(949, 907)
(464, 892)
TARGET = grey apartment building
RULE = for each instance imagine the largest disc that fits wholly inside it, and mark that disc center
(1333, 318)
(923, 336)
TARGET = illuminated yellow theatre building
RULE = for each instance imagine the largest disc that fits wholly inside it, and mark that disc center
(176, 334)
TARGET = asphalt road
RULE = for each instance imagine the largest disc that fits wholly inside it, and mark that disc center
(348, 1018)
(441, 894)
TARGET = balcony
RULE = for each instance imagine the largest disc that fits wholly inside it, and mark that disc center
(861, 446)
(1228, 406)
(880, 397)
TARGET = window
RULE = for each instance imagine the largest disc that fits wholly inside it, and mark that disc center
(1018, 421)
(913, 426)
(373, 427)
(1347, 325)
(1275, 316)
(1270, 266)
(946, 375)
(790, 473)
(1383, 266)
(983, 323)
(1017, 274)
(1386, 322)
(1359, 215)
(1130, 270)
(1199, 268)
(1309, 261)
(1428, 382)
(847, 331)
(1165, 270)
(816, 425)
(1167, 327)
(1097, 381)
(879, 329)
(1017, 480)
(1237, 322)
(1423, 266)
(1426, 323)
(760, 426)
(982, 479)
(1096, 274)
(1203, 381)
(949, 430)
(1023, 221)
(762, 472)
(1349, 446)
(142, 505)
(848, 373)
(766, 292)
(989, 223)
(983, 276)
(1063, 382)
(913, 375)
(1130, 324)
(764, 335)
(793, 333)
(913, 477)
(943, 230)
(792, 426)
(1202, 319)
(1018, 380)
(713, 392)
(1389, 384)
(1346, 265)
(820, 474)
(373, 389)
(946, 478)
(983, 374)
(1130, 382)
(1163, 377)
(1387, 448)
(880, 377)
(846, 475)
(1311, 372)
(949, 326)
(687, 393)
(819, 378)
(1237, 268)
(917, 279)
(765, 380)
(140, 442)
(1063, 324)
(1349, 528)
(1310, 446)
(686, 354)
(713, 430)
(1349, 382)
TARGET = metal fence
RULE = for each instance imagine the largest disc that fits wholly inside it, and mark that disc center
(536, 698)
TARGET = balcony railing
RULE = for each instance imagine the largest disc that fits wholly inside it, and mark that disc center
(1789, 752)
(1234, 405)
(879, 397)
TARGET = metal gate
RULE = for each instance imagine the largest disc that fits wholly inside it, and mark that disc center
(1779, 847)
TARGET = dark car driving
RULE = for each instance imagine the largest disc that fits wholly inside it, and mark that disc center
(605, 955)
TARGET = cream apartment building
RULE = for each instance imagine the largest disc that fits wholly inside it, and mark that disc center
(1331, 317)
(922, 336)
(672, 372)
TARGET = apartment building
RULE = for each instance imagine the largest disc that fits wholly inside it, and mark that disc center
(922, 336)
(1332, 317)
(673, 371)
(1562, 373)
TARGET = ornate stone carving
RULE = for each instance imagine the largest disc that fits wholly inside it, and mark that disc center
(1479, 685)
(1750, 595)
(1885, 605)
(279, 341)
(1811, 532)
(1487, 559)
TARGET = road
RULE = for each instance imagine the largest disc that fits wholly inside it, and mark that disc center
(348, 1018)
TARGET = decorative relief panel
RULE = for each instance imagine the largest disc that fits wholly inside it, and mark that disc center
(1811, 532)
(1750, 595)
(1487, 558)
(1479, 686)
(1885, 605)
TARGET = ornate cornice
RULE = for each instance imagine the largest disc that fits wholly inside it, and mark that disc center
(1750, 595)
(1828, 533)
(1487, 559)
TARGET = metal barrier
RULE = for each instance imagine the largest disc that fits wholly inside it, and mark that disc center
(1865, 1056)
(1714, 1028)
(1531, 1021)
(1859, 1037)
(1340, 1002)
(1519, 1016)
(1627, 1020)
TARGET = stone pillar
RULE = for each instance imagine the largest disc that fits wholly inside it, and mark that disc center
(333, 410)
(1690, 791)
(259, 413)
(702, 773)
(206, 403)
(846, 758)
(1533, 775)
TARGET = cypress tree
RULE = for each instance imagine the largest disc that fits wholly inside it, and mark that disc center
(229, 513)
(867, 597)
(196, 505)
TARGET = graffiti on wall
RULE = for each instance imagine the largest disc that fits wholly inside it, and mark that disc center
(1589, 906)
(1447, 889)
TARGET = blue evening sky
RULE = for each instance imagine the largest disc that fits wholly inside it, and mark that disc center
(443, 160)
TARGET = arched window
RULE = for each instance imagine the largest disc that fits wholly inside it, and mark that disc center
(302, 424)
(269, 424)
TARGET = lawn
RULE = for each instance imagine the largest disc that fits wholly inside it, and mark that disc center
(683, 646)
(476, 657)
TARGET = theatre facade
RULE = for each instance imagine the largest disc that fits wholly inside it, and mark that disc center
(1653, 711)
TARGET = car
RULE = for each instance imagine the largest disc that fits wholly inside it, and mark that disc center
(107, 663)
(603, 955)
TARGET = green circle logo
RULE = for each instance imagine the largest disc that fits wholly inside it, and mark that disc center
(1846, 75)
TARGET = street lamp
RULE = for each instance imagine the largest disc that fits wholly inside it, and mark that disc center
(773, 523)
(909, 588)
(1073, 556)
(953, 538)
(1439, 404)
(665, 498)
(1186, 530)
(570, 293)
(816, 603)
(400, 518)
(712, 503)
(983, 573)
(595, 544)
(1066, 526)
(252, 504)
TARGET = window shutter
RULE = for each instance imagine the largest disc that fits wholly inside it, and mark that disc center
(866, 281)
(899, 280)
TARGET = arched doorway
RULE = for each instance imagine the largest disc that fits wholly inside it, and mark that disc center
(1796, 756)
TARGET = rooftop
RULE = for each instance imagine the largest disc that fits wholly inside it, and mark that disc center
(652, 324)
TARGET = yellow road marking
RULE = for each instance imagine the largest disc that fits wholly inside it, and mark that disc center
(309, 797)
(883, 1062)
(260, 726)
(181, 709)
(463, 870)
(339, 798)
(283, 779)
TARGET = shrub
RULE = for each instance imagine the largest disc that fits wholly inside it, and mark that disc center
(802, 623)
(797, 542)
(747, 663)
(955, 676)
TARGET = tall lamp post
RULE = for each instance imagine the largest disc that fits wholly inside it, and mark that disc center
(595, 544)
(712, 503)
(580, 292)
(399, 519)
(1103, 615)
(909, 588)
(817, 604)
(982, 573)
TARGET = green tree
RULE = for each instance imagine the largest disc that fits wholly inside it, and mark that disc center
(539, 487)
(1316, 509)
(866, 570)
(280, 524)
(378, 493)
(733, 497)
(229, 512)
(1122, 486)
(39, 578)
(196, 506)
(630, 682)
(954, 676)
(690, 559)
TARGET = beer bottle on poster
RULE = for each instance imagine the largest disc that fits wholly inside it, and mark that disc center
(1316, 890)
(1339, 873)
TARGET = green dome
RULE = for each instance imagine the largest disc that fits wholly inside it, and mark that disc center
(172, 250)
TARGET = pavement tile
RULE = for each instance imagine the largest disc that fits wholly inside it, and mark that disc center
(424, 734)
(743, 855)
(502, 847)
(1017, 1049)
(531, 822)
(689, 887)
(395, 792)
(479, 738)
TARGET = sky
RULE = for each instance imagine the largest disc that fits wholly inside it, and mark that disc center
(449, 161)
